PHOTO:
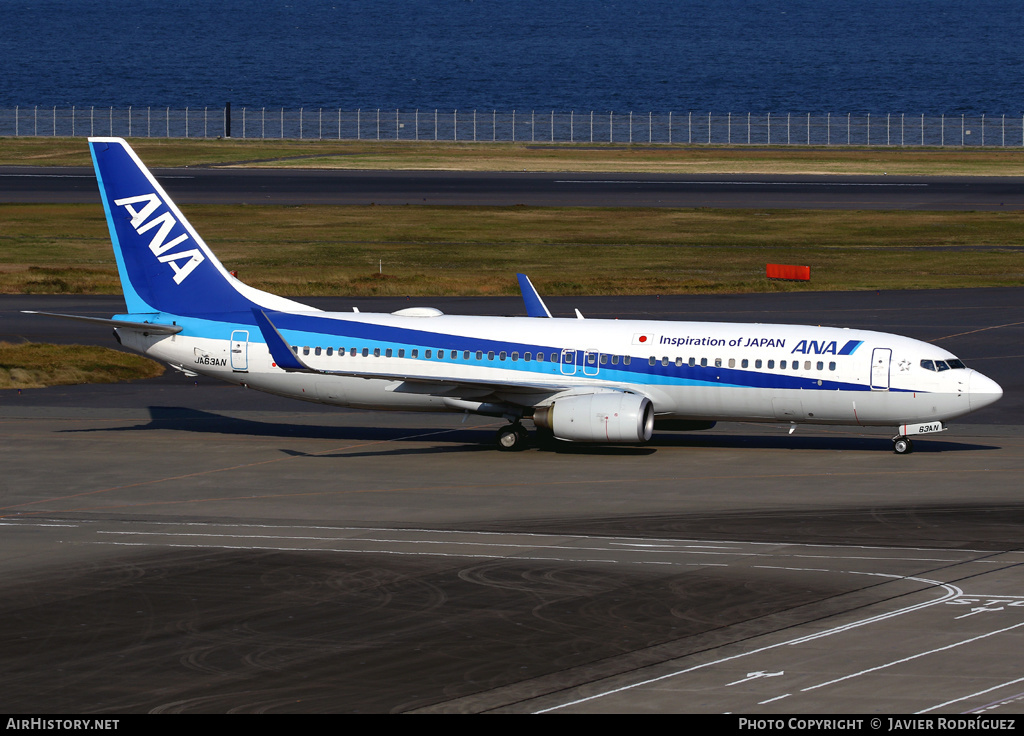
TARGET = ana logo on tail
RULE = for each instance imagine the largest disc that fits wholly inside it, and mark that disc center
(159, 245)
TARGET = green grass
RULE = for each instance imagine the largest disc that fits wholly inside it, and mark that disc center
(36, 365)
(423, 251)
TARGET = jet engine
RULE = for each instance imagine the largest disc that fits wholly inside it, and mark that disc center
(612, 416)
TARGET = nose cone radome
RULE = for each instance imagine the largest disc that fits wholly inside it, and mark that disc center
(982, 391)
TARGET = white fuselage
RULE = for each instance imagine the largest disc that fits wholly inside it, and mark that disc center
(689, 370)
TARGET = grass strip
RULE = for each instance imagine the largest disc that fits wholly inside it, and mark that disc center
(424, 251)
(37, 365)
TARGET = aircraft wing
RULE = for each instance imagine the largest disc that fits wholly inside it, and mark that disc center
(287, 360)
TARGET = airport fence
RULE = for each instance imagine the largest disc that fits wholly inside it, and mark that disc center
(690, 128)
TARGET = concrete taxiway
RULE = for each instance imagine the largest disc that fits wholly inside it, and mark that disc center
(186, 546)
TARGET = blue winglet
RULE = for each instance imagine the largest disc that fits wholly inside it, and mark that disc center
(535, 306)
(279, 350)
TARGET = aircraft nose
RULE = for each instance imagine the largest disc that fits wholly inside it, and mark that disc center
(982, 391)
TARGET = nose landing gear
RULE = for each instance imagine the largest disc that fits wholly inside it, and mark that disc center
(902, 445)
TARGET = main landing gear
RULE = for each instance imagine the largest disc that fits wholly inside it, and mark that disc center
(902, 445)
(512, 437)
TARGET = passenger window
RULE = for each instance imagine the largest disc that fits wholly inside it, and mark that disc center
(305, 350)
(626, 359)
(732, 363)
(366, 352)
(527, 357)
(832, 366)
(679, 361)
(428, 353)
(388, 353)
(604, 359)
(295, 349)
(376, 352)
(821, 365)
(782, 365)
(771, 364)
(502, 355)
(352, 353)
(615, 360)
(704, 362)
(757, 363)
(515, 356)
(317, 351)
(490, 355)
(479, 355)
(330, 351)
(745, 363)
(401, 352)
(652, 360)
(718, 362)
(416, 353)
(692, 362)
(664, 360)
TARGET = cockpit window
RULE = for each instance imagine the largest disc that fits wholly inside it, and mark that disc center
(940, 365)
(956, 363)
(928, 365)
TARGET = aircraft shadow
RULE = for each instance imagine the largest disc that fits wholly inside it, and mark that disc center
(471, 439)
(794, 442)
(436, 450)
(204, 422)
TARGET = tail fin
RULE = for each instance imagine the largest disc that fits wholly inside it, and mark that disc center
(163, 263)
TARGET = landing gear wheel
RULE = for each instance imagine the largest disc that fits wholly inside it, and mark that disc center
(511, 438)
(902, 446)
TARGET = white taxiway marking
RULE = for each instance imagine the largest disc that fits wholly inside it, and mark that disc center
(972, 695)
(913, 656)
(951, 592)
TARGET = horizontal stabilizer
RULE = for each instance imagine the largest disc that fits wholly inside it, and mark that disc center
(150, 327)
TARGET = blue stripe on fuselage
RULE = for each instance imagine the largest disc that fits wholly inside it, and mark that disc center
(318, 331)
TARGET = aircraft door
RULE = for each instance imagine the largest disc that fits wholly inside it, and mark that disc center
(240, 350)
(880, 358)
(591, 362)
(568, 363)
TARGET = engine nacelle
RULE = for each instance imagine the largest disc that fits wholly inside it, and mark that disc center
(613, 416)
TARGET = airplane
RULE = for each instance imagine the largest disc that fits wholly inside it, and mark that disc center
(576, 380)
